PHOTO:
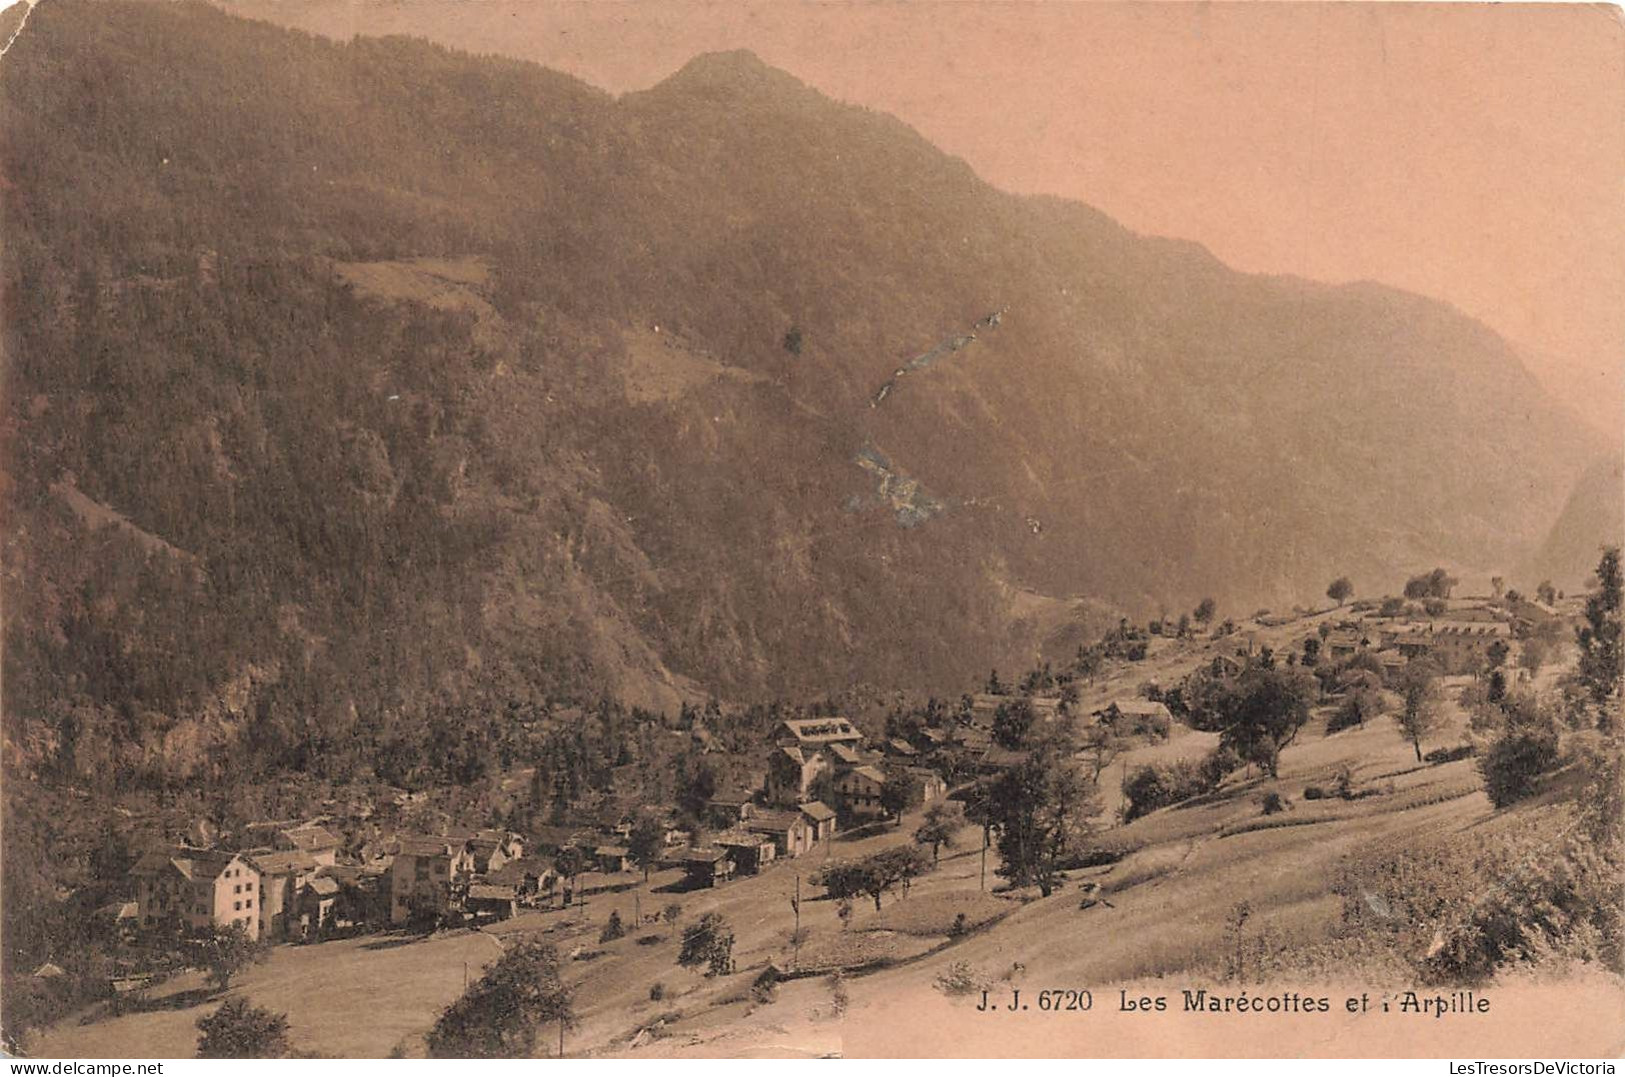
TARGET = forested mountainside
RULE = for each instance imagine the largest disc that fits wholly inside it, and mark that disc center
(358, 393)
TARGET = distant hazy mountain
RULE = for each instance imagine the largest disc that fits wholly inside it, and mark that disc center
(1594, 517)
(456, 382)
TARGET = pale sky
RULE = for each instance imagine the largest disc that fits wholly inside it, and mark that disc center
(1475, 153)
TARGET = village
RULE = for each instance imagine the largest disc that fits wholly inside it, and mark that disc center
(820, 790)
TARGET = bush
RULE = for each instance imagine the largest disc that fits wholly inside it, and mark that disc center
(1219, 764)
(1102, 850)
(1157, 785)
(1274, 803)
(1314, 792)
(1515, 760)
(613, 929)
(765, 988)
(1449, 755)
(959, 979)
(240, 1030)
(657, 991)
(958, 927)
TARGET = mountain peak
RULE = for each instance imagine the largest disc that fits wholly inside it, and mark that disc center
(736, 71)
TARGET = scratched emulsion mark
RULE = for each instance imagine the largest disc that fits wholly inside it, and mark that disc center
(15, 34)
(904, 496)
(944, 347)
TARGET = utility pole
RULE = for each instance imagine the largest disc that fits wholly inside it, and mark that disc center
(637, 908)
(984, 856)
(795, 939)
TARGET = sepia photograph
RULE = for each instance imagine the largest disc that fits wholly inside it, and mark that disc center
(791, 529)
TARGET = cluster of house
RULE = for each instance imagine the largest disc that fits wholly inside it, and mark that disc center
(819, 775)
(291, 884)
(1455, 644)
(288, 888)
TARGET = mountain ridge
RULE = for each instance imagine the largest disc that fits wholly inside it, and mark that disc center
(644, 450)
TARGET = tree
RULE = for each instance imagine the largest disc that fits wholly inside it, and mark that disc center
(568, 863)
(1526, 749)
(1340, 590)
(1100, 746)
(237, 1029)
(613, 928)
(1012, 721)
(500, 1015)
(672, 913)
(1546, 592)
(1041, 810)
(1423, 704)
(222, 952)
(1204, 611)
(1257, 713)
(709, 943)
(1362, 699)
(696, 784)
(942, 822)
(1435, 584)
(1532, 655)
(901, 789)
(647, 841)
(1602, 653)
(1498, 586)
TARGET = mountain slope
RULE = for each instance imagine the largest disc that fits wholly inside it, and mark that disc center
(1593, 517)
(470, 387)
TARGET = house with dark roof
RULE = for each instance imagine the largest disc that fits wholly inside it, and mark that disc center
(748, 850)
(321, 844)
(791, 772)
(708, 866)
(860, 790)
(820, 820)
(194, 889)
(491, 901)
(425, 872)
(611, 859)
(282, 873)
(818, 732)
(318, 902)
(998, 759)
(788, 830)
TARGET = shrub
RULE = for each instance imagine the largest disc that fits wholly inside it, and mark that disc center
(1314, 792)
(1157, 785)
(1101, 850)
(657, 991)
(765, 988)
(613, 928)
(958, 927)
(838, 996)
(1274, 803)
(1515, 760)
(1449, 755)
(1219, 764)
(959, 979)
(708, 943)
(240, 1030)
